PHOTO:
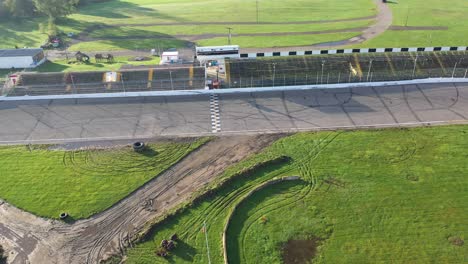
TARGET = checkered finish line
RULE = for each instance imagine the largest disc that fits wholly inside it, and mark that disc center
(347, 51)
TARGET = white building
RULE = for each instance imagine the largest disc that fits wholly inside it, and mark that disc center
(169, 57)
(21, 58)
(216, 53)
(207, 55)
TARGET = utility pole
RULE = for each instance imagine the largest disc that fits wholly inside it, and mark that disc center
(229, 36)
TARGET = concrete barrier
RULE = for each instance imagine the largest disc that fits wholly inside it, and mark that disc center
(234, 90)
(348, 51)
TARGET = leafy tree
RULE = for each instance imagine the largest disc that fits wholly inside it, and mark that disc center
(4, 12)
(19, 8)
(55, 8)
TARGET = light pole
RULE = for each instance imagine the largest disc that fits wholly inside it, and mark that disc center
(274, 73)
(229, 36)
(407, 16)
(321, 77)
(172, 86)
(414, 68)
(370, 67)
(455, 67)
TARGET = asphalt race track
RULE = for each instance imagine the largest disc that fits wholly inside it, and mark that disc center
(145, 117)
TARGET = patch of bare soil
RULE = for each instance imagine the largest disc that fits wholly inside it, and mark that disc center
(300, 251)
(36, 240)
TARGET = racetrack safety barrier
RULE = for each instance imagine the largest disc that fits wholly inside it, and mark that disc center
(348, 51)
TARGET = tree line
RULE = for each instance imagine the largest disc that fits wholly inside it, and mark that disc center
(53, 9)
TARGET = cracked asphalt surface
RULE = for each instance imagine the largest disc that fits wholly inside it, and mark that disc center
(37, 240)
(145, 117)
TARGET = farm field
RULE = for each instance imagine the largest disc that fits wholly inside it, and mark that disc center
(395, 195)
(47, 182)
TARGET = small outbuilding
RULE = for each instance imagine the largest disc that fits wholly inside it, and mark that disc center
(21, 58)
(169, 57)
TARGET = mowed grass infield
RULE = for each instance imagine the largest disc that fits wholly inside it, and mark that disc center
(382, 196)
(165, 20)
(81, 182)
(144, 24)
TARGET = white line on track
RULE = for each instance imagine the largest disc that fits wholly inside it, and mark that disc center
(234, 132)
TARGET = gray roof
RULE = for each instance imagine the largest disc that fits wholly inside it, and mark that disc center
(19, 52)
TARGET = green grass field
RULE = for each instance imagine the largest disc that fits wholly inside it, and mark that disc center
(63, 66)
(163, 22)
(135, 18)
(396, 195)
(450, 14)
(82, 182)
(125, 13)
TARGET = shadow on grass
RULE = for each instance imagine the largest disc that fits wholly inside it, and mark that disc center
(19, 32)
(148, 152)
(183, 251)
(50, 66)
(119, 10)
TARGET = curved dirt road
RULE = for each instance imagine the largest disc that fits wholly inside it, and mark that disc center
(30, 239)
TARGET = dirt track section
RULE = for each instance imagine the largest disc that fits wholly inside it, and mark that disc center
(35, 240)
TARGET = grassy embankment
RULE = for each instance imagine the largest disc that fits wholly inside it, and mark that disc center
(426, 13)
(133, 19)
(123, 14)
(396, 195)
(81, 182)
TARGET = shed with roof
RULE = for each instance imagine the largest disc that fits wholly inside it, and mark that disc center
(21, 58)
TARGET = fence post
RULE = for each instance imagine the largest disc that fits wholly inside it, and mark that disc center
(454, 69)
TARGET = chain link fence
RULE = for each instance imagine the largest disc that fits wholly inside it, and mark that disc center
(154, 79)
(349, 68)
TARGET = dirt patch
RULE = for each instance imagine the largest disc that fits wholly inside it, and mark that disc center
(456, 241)
(300, 251)
(37, 240)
